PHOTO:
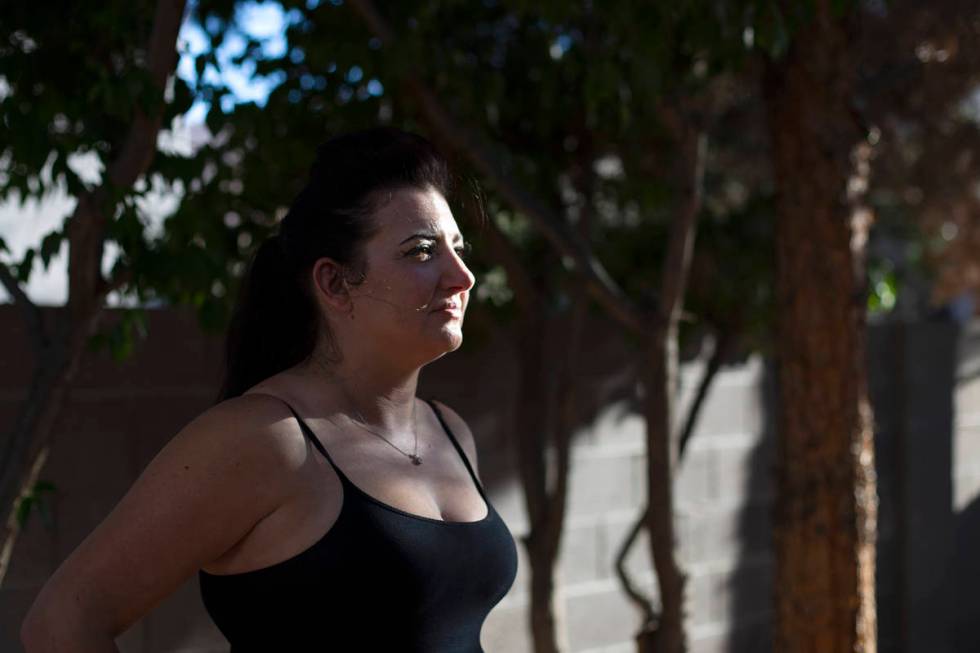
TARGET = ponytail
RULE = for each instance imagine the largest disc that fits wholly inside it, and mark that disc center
(273, 325)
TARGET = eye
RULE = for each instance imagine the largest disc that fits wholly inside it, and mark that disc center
(464, 250)
(421, 249)
(424, 251)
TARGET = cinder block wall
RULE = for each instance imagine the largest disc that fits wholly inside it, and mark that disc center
(966, 492)
(722, 496)
(122, 414)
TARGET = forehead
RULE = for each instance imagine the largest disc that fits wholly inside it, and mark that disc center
(411, 210)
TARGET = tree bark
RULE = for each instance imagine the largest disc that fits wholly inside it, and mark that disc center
(58, 354)
(531, 422)
(826, 508)
(659, 378)
(540, 390)
(659, 369)
(546, 386)
(650, 618)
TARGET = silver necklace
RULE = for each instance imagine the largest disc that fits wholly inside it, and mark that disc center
(414, 457)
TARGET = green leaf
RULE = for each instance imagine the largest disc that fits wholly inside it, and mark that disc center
(34, 499)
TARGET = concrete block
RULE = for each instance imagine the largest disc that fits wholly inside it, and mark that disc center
(966, 488)
(698, 611)
(638, 479)
(599, 484)
(604, 617)
(744, 473)
(507, 628)
(615, 426)
(695, 483)
(712, 642)
(508, 500)
(580, 553)
(742, 593)
(750, 636)
(726, 534)
(611, 533)
(966, 462)
(625, 647)
(727, 410)
(522, 581)
(966, 396)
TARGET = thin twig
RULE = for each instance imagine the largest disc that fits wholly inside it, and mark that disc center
(29, 310)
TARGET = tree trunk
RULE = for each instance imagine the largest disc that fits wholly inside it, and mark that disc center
(546, 631)
(544, 526)
(826, 508)
(58, 355)
(658, 375)
(646, 637)
(30, 439)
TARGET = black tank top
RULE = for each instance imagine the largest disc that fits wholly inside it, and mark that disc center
(380, 579)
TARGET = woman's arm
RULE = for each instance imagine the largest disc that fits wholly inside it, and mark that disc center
(207, 488)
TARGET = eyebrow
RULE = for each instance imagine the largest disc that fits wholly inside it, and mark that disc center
(431, 235)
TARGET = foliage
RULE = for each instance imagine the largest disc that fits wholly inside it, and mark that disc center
(73, 76)
(567, 96)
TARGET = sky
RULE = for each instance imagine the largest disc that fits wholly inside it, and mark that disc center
(24, 225)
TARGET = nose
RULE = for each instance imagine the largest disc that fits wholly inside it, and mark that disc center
(458, 276)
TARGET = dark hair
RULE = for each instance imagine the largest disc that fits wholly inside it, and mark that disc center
(276, 323)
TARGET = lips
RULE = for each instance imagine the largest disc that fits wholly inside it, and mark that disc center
(448, 306)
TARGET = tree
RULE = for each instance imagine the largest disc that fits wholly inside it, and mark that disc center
(826, 506)
(109, 103)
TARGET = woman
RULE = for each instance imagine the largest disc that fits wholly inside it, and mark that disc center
(323, 506)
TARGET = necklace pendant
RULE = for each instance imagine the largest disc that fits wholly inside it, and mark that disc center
(415, 459)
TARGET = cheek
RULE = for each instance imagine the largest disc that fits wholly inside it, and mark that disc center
(405, 289)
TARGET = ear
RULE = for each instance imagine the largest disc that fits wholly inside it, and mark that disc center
(330, 285)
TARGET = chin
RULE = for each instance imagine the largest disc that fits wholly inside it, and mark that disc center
(454, 341)
(451, 340)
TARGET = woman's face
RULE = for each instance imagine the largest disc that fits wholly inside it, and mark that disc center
(414, 271)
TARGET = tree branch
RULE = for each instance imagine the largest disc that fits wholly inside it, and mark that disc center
(680, 249)
(140, 145)
(87, 225)
(34, 427)
(723, 344)
(597, 280)
(30, 311)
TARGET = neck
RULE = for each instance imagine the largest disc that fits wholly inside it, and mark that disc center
(383, 397)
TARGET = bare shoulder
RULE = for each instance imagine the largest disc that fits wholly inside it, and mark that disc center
(217, 477)
(461, 430)
(249, 433)
(262, 421)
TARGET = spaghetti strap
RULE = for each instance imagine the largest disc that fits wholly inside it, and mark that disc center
(311, 436)
(462, 454)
